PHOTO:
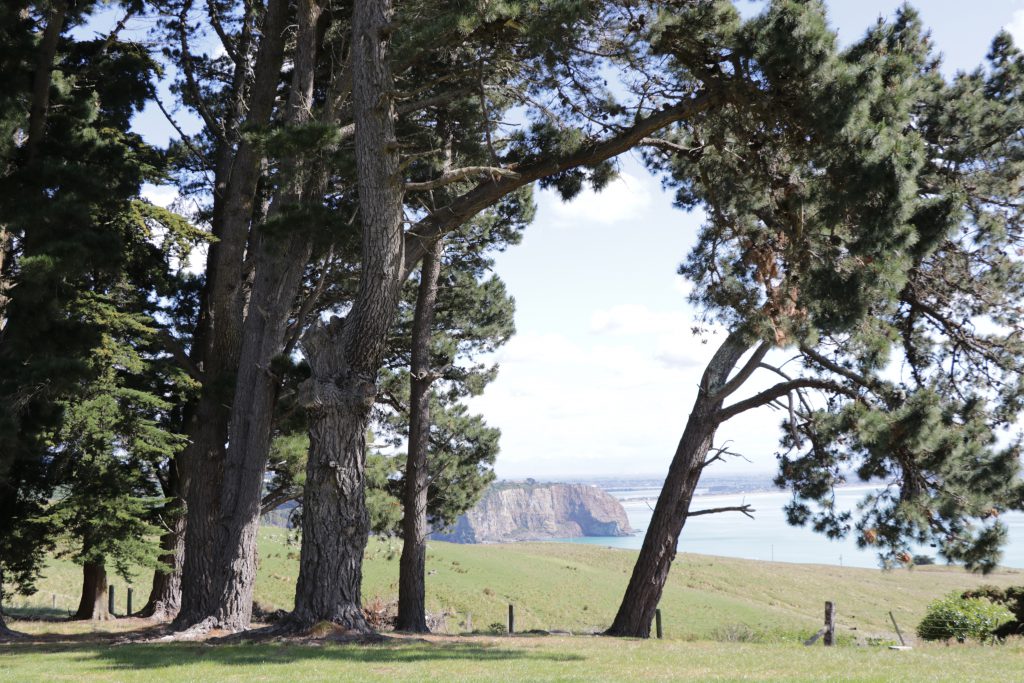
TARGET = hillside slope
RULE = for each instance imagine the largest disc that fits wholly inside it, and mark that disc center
(577, 587)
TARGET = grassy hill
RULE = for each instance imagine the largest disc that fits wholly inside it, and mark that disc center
(578, 587)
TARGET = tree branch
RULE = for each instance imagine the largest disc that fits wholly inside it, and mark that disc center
(745, 509)
(173, 346)
(744, 374)
(457, 174)
(780, 390)
(423, 233)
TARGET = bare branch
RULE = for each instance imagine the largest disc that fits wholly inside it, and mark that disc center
(780, 390)
(745, 509)
(225, 39)
(668, 146)
(457, 174)
(173, 346)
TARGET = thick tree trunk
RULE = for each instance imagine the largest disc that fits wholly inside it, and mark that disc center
(280, 263)
(412, 610)
(164, 601)
(345, 355)
(94, 593)
(217, 342)
(659, 548)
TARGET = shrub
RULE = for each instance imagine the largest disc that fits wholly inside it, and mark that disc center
(961, 618)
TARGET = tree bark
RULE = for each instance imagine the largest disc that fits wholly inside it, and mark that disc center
(412, 610)
(164, 601)
(43, 75)
(217, 342)
(345, 355)
(94, 593)
(280, 263)
(659, 548)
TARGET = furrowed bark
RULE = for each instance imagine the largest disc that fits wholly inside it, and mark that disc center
(42, 79)
(93, 604)
(164, 601)
(412, 611)
(281, 261)
(217, 343)
(659, 548)
(345, 355)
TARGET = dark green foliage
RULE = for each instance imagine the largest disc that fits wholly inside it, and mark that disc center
(862, 212)
(960, 618)
(85, 396)
(1012, 598)
(940, 433)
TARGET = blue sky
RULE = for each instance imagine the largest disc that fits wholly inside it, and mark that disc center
(603, 370)
(601, 375)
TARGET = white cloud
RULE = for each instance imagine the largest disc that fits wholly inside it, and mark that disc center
(639, 320)
(622, 199)
(1016, 27)
(161, 195)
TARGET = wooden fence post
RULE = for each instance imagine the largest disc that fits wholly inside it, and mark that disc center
(898, 633)
(657, 623)
(128, 612)
(830, 624)
(110, 599)
(511, 619)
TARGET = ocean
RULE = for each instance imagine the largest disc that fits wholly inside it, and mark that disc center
(768, 536)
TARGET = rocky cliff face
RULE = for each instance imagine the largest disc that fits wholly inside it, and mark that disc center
(536, 512)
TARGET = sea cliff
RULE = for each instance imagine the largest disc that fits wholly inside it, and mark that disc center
(537, 512)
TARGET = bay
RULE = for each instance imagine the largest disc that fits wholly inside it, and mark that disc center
(768, 536)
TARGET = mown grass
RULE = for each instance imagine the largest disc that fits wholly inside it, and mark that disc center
(508, 659)
(725, 619)
(577, 587)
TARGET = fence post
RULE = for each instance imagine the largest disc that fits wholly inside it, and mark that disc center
(657, 623)
(110, 599)
(128, 612)
(53, 599)
(511, 619)
(830, 623)
(898, 633)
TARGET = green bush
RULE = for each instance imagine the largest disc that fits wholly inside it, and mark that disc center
(957, 617)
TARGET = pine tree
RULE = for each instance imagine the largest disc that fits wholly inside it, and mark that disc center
(836, 222)
(69, 177)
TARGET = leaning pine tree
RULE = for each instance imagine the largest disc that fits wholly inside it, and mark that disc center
(858, 223)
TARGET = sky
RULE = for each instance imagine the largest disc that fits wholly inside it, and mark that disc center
(601, 374)
(599, 379)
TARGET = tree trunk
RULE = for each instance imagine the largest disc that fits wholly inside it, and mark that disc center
(659, 548)
(412, 610)
(41, 81)
(164, 601)
(5, 282)
(218, 339)
(94, 593)
(345, 355)
(280, 263)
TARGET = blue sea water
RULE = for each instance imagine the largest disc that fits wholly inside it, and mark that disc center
(768, 536)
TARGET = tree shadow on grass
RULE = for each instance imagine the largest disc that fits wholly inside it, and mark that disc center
(173, 655)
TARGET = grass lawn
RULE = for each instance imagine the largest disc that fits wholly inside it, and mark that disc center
(725, 619)
(456, 658)
(577, 587)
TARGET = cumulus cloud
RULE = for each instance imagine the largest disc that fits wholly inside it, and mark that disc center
(622, 199)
